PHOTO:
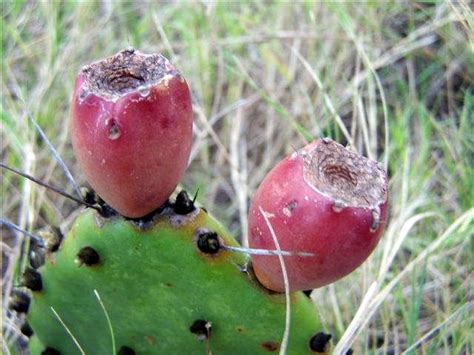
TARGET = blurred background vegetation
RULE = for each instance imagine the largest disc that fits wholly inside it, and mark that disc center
(394, 80)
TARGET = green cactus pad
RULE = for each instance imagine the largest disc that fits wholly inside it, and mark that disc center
(155, 284)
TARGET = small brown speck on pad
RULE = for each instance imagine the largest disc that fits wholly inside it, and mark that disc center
(271, 346)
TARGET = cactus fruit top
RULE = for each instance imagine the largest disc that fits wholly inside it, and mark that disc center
(324, 199)
(132, 129)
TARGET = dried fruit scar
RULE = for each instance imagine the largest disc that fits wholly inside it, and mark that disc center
(132, 129)
(326, 200)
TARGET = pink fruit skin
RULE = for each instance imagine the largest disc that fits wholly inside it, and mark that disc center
(136, 165)
(304, 221)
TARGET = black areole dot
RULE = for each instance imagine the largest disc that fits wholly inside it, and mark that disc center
(36, 258)
(208, 242)
(183, 204)
(53, 238)
(126, 350)
(20, 302)
(26, 330)
(319, 341)
(202, 328)
(88, 256)
(32, 280)
(50, 351)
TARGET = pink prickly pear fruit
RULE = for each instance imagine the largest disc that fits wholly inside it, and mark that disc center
(132, 129)
(325, 200)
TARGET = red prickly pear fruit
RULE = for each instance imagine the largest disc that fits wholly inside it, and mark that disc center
(132, 129)
(326, 200)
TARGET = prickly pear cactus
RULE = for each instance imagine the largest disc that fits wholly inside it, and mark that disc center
(168, 286)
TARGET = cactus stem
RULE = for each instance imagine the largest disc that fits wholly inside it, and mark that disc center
(88, 256)
(320, 342)
(32, 279)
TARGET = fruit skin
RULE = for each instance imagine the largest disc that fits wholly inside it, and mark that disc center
(134, 145)
(156, 284)
(306, 220)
